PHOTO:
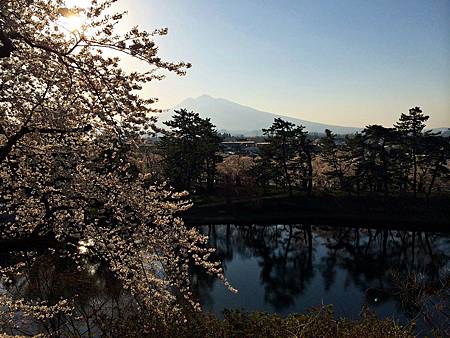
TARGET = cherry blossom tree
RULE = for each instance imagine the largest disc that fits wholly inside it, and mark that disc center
(71, 115)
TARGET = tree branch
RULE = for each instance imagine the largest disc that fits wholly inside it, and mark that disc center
(12, 141)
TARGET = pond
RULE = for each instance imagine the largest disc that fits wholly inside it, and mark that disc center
(288, 269)
(279, 269)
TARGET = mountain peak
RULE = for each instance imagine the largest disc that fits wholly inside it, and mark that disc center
(205, 97)
(242, 120)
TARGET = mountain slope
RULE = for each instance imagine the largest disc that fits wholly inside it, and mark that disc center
(242, 120)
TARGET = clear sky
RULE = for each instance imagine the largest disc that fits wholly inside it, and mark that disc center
(347, 62)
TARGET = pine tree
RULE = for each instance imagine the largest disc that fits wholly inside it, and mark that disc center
(189, 150)
(411, 127)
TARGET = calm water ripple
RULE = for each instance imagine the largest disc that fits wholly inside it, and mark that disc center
(290, 268)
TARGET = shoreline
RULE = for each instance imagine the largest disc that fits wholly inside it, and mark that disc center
(392, 213)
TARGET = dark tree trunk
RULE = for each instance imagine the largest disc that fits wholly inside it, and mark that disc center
(310, 173)
(285, 168)
(414, 173)
(433, 178)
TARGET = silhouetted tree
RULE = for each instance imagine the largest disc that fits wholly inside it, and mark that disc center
(376, 165)
(289, 154)
(331, 153)
(305, 150)
(281, 147)
(263, 171)
(354, 156)
(436, 156)
(411, 126)
(189, 150)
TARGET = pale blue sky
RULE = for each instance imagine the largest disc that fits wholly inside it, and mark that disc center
(348, 62)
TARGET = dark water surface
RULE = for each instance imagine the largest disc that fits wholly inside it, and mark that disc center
(290, 268)
(280, 269)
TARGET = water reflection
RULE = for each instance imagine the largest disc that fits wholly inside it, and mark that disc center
(99, 303)
(279, 268)
(290, 268)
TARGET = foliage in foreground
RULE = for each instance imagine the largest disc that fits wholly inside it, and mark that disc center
(318, 323)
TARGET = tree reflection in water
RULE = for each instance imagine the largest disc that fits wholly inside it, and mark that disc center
(289, 268)
(279, 268)
(100, 307)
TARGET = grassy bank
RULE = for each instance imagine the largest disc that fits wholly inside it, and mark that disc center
(378, 211)
(319, 323)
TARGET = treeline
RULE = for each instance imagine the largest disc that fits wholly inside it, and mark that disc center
(403, 158)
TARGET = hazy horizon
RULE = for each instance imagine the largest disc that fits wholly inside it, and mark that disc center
(180, 105)
(348, 63)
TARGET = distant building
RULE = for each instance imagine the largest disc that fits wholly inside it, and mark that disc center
(244, 147)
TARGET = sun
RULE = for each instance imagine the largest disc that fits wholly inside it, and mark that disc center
(73, 18)
(73, 22)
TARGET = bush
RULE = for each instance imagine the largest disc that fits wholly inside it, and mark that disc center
(319, 322)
